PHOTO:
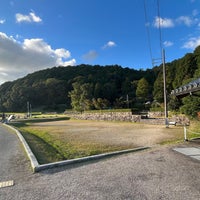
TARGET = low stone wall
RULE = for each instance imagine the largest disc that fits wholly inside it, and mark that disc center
(128, 117)
(110, 116)
(156, 114)
(157, 121)
(181, 119)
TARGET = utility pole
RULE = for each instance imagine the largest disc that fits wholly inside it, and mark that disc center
(29, 109)
(165, 90)
(127, 100)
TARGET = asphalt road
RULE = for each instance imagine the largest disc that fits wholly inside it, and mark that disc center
(12, 155)
(157, 174)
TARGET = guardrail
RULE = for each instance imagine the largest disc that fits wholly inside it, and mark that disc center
(187, 89)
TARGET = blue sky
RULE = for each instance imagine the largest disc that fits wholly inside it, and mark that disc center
(39, 34)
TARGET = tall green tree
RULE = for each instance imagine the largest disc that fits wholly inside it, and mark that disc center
(142, 90)
(158, 89)
(191, 106)
(197, 59)
(100, 103)
(185, 68)
(80, 96)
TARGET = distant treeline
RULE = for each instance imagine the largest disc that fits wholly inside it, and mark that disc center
(85, 87)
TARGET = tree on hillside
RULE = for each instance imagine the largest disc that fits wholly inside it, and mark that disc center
(191, 106)
(185, 68)
(197, 59)
(142, 90)
(174, 103)
(158, 89)
(81, 96)
(100, 103)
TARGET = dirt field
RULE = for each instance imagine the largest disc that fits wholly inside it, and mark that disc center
(112, 133)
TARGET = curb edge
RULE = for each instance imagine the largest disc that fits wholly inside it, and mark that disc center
(36, 167)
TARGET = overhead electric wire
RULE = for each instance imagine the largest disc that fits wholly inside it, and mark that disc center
(159, 27)
(148, 32)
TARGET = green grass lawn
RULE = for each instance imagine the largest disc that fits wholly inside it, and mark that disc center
(193, 131)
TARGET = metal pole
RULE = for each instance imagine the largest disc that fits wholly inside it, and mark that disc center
(165, 91)
(28, 111)
(127, 100)
(185, 133)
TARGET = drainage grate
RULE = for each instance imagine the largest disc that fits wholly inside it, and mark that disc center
(6, 184)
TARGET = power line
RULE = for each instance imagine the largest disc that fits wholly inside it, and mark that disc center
(147, 25)
(148, 32)
(159, 26)
(162, 51)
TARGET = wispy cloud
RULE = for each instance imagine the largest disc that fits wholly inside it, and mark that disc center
(168, 43)
(181, 20)
(109, 44)
(163, 22)
(186, 20)
(192, 43)
(31, 17)
(20, 58)
(90, 56)
(2, 21)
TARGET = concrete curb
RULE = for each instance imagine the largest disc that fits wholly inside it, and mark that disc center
(31, 156)
(36, 167)
(88, 158)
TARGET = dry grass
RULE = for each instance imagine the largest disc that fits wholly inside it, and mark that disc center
(76, 138)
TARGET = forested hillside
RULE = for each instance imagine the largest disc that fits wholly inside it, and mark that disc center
(49, 89)
(97, 87)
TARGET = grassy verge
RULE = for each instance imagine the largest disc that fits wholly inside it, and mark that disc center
(43, 151)
(193, 131)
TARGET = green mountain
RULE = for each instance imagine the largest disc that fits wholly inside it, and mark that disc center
(49, 89)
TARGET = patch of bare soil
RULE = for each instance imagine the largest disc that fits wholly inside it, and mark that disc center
(113, 133)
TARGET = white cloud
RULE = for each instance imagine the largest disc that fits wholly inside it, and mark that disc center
(2, 21)
(109, 44)
(71, 62)
(62, 53)
(34, 17)
(90, 56)
(27, 18)
(163, 22)
(168, 43)
(182, 20)
(185, 20)
(18, 59)
(192, 43)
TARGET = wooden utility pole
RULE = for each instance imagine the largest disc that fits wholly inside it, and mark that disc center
(165, 90)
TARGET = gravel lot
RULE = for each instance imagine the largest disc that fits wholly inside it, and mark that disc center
(120, 133)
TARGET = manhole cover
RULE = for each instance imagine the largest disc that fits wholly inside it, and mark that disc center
(6, 184)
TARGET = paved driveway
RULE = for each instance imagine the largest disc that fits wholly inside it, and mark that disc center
(160, 173)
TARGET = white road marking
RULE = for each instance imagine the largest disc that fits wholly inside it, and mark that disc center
(6, 184)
